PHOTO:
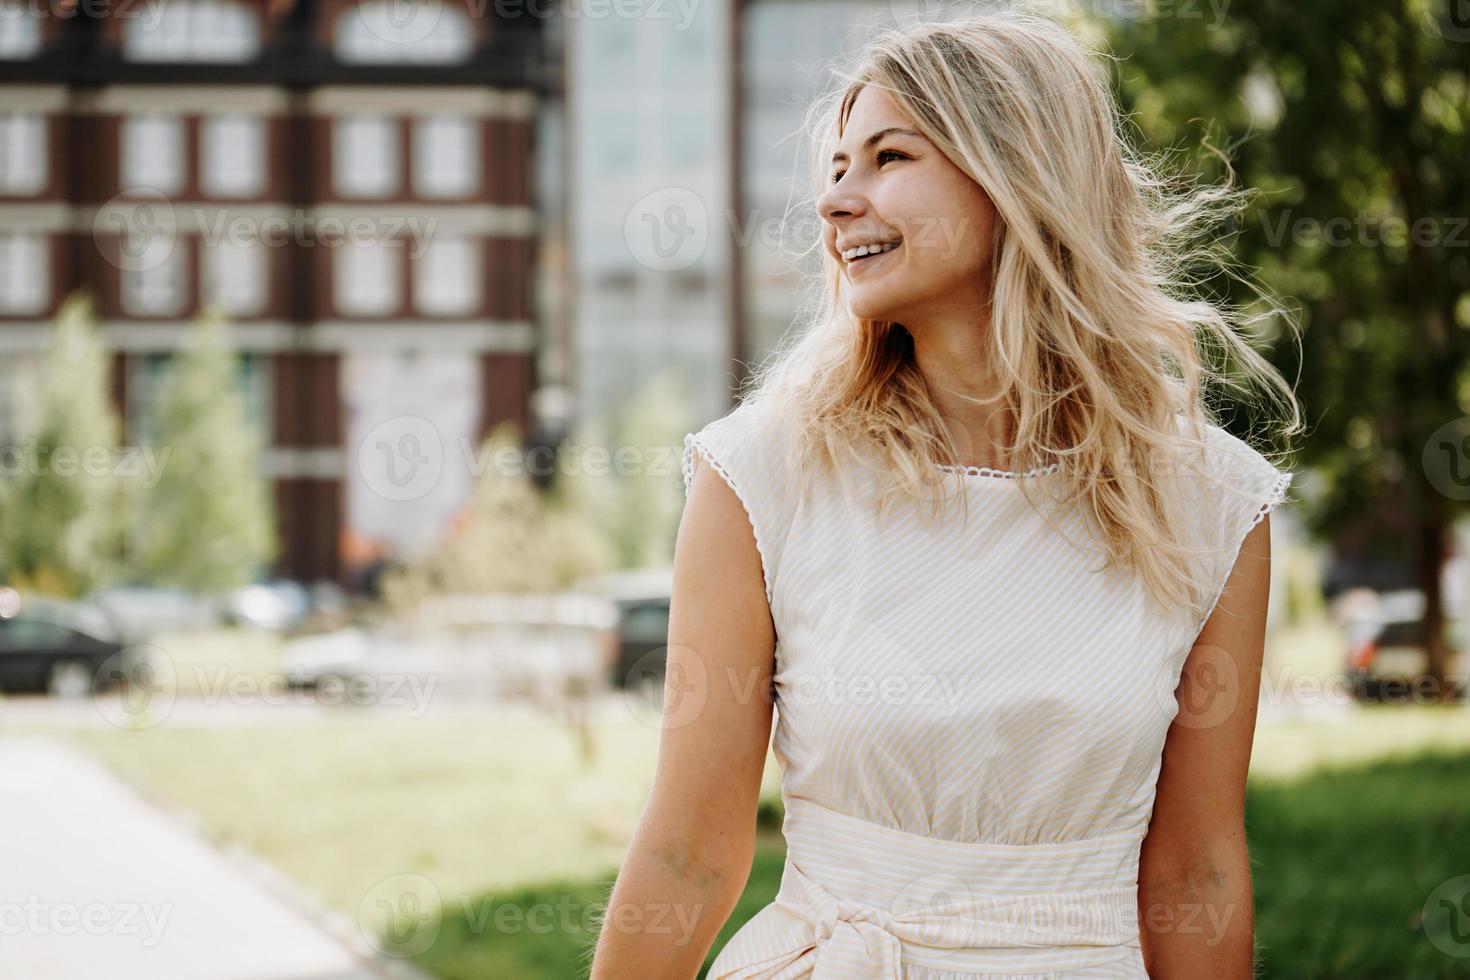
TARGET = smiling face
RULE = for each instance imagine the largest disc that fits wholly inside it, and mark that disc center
(902, 195)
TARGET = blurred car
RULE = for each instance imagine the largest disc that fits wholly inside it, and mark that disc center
(274, 606)
(497, 645)
(642, 640)
(282, 605)
(338, 656)
(137, 612)
(58, 648)
(638, 640)
(1387, 650)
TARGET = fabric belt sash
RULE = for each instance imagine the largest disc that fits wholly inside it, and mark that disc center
(858, 900)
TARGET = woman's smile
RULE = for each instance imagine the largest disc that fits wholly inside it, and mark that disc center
(864, 262)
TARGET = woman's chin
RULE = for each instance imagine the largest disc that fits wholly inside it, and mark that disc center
(874, 308)
(886, 294)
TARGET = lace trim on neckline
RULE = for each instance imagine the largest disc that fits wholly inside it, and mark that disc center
(989, 471)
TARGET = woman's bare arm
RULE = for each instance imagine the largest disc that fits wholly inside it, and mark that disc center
(1195, 897)
(690, 857)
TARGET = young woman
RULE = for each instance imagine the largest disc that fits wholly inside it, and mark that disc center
(977, 538)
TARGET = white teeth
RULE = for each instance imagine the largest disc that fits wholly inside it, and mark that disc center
(861, 250)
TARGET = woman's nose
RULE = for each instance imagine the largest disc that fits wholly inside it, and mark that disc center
(841, 202)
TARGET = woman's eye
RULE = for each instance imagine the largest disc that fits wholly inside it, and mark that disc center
(836, 175)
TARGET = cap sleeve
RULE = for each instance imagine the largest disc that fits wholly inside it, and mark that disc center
(1245, 487)
(747, 448)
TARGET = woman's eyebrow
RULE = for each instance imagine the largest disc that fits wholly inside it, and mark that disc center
(839, 156)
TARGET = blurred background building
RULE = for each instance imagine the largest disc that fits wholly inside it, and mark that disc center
(648, 117)
(408, 212)
(418, 217)
(354, 184)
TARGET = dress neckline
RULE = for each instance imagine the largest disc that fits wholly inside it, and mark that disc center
(989, 472)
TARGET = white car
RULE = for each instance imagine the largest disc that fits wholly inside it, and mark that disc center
(491, 645)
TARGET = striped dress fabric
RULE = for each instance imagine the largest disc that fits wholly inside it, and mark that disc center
(970, 718)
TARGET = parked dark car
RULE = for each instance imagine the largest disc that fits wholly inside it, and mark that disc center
(638, 640)
(56, 648)
(1387, 656)
(642, 640)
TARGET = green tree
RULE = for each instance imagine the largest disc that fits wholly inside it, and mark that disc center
(208, 522)
(510, 537)
(1352, 117)
(59, 520)
(628, 483)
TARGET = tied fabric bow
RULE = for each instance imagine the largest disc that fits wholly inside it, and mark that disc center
(852, 940)
(809, 932)
(825, 938)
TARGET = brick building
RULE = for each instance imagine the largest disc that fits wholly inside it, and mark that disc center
(351, 182)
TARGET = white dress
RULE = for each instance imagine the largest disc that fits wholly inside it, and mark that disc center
(970, 723)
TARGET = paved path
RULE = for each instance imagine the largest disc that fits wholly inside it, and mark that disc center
(97, 882)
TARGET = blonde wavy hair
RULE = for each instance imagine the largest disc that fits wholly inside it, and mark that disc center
(1100, 335)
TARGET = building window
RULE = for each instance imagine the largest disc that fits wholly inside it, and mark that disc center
(147, 373)
(254, 374)
(378, 32)
(20, 31)
(446, 157)
(154, 283)
(22, 153)
(366, 278)
(153, 152)
(193, 30)
(232, 155)
(365, 156)
(447, 277)
(25, 274)
(234, 277)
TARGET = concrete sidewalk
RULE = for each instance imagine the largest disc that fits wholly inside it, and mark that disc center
(96, 882)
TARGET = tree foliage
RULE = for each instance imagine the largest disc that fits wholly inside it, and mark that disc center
(624, 473)
(208, 523)
(510, 537)
(59, 518)
(1352, 118)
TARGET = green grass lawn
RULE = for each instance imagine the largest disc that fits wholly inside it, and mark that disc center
(501, 818)
(342, 805)
(468, 945)
(206, 662)
(1353, 823)
(1346, 862)
(1293, 749)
